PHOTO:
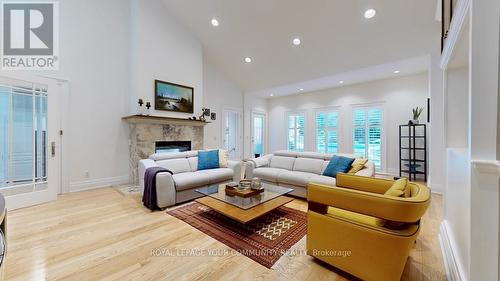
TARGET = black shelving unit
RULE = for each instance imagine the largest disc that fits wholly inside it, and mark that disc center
(413, 151)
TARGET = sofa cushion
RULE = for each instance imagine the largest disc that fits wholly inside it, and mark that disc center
(308, 165)
(218, 175)
(173, 155)
(338, 164)
(190, 180)
(357, 165)
(285, 153)
(176, 166)
(399, 189)
(208, 159)
(193, 162)
(314, 155)
(282, 162)
(295, 178)
(223, 156)
(324, 180)
(268, 174)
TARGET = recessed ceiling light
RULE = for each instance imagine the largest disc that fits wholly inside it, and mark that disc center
(396, 71)
(341, 82)
(370, 13)
(247, 59)
(271, 95)
(296, 41)
(301, 89)
(215, 22)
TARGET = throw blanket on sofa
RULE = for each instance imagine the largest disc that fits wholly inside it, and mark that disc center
(149, 195)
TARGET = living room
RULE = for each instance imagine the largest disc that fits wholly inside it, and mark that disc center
(217, 139)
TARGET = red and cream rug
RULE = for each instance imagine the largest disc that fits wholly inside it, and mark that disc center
(264, 240)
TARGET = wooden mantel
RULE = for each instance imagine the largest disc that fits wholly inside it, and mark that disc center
(160, 120)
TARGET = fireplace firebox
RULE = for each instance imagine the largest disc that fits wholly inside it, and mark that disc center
(172, 146)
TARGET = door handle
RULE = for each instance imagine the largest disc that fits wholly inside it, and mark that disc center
(53, 149)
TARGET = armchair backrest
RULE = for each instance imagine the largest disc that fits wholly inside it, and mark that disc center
(402, 209)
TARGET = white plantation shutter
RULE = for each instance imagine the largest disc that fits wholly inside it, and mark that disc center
(327, 132)
(296, 132)
(367, 134)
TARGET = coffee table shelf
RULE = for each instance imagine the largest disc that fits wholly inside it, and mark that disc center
(242, 209)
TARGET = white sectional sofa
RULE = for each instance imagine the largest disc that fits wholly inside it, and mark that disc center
(296, 169)
(179, 187)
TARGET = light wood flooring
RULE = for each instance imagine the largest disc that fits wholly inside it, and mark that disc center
(103, 234)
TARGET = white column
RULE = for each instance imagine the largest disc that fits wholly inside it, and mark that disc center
(437, 147)
(484, 64)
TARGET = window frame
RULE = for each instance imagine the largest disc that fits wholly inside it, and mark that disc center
(287, 129)
(338, 128)
(383, 125)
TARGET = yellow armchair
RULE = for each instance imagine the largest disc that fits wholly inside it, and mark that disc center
(356, 228)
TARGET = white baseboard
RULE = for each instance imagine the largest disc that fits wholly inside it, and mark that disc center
(454, 272)
(436, 188)
(98, 183)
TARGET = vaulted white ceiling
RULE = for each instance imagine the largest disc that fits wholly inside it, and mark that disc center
(335, 36)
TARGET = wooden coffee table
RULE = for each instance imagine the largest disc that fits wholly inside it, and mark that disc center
(244, 210)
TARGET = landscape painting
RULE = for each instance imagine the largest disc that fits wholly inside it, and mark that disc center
(173, 97)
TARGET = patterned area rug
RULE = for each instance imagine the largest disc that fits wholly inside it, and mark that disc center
(264, 240)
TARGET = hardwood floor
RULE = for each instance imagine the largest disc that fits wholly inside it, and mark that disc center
(103, 234)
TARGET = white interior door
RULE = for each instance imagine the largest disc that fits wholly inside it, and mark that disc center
(232, 133)
(29, 140)
(258, 134)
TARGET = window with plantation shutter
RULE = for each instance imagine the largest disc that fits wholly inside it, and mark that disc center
(367, 134)
(296, 131)
(327, 132)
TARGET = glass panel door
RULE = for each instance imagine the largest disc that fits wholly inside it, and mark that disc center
(24, 140)
(232, 133)
(258, 130)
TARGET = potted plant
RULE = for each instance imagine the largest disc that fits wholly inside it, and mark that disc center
(416, 114)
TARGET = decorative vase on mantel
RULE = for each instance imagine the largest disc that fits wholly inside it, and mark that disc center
(140, 108)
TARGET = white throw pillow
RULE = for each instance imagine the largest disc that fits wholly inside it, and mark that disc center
(223, 158)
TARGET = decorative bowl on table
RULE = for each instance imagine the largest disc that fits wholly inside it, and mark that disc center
(245, 184)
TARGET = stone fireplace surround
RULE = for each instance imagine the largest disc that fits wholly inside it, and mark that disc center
(145, 131)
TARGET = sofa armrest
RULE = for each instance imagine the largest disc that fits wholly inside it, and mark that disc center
(236, 167)
(262, 161)
(254, 163)
(398, 209)
(165, 190)
(143, 166)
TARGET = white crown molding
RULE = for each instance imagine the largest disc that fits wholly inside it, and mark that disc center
(459, 17)
(491, 167)
(454, 272)
(98, 183)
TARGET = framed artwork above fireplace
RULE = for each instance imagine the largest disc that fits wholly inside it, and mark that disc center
(173, 97)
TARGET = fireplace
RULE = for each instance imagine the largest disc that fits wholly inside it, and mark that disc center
(172, 146)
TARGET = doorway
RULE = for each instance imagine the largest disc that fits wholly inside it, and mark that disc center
(29, 140)
(232, 131)
(258, 134)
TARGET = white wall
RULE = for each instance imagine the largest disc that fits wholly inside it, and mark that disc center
(94, 58)
(398, 96)
(457, 107)
(218, 94)
(162, 49)
(111, 52)
(437, 142)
